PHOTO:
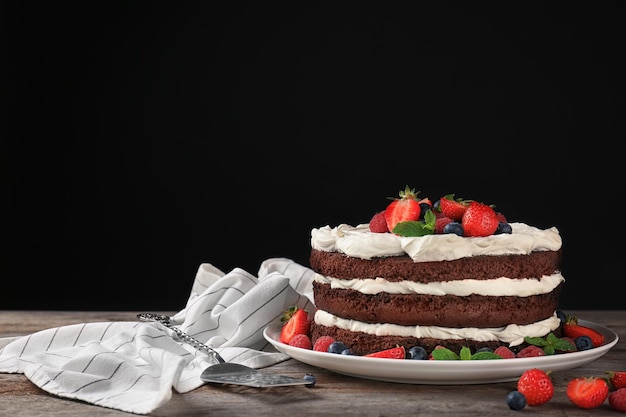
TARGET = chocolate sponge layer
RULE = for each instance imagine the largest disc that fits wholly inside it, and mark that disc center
(435, 310)
(398, 268)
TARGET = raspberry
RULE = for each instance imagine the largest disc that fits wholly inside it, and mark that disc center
(440, 223)
(504, 352)
(301, 340)
(378, 224)
(617, 400)
(531, 351)
(322, 343)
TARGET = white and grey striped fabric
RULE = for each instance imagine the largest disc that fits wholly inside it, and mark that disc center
(133, 366)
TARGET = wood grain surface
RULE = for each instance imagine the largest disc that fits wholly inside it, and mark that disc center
(333, 395)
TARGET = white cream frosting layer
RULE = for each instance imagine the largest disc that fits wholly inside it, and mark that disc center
(359, 242)
(512, 334)
(495, 287)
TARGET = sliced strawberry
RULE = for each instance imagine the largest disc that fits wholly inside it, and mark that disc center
(572, 329)
(452, 208)
(397, 352)
(587, 392)
(479, 220)
(296, 321)
(378, 224)
(403, 209)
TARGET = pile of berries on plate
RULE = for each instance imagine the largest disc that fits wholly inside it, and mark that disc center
(575, 337)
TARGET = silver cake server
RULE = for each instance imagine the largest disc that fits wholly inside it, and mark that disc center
(224, 372)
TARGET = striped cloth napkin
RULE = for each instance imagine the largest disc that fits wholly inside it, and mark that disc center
(133, 366)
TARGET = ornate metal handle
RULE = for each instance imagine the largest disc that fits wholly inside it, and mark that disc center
(190, 340)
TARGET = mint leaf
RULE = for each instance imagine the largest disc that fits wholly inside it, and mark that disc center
(564, 345)
(429, 220)
(551, 344)
(465, 353)
(444, 354)
(537, 341)
(412, 229)
(485, 355)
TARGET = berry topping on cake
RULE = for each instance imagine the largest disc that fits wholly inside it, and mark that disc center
(404, 209)
(479, 220)
(453, 208)
(378, 224)
(411, 216)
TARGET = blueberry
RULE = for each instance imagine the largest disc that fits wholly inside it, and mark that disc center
(417, 353)
(424, 207)
(346, 351)
(562, 316)
(583, 343)
(503, 228)
(515, 400)
(337, 347)
(311, 379)
(485, 349)
(453, 227)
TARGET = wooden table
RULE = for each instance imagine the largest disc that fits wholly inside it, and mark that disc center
(333, 395)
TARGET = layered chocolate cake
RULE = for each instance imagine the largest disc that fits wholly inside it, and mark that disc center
(377, 289)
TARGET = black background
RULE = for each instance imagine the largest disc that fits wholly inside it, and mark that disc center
(145, 138)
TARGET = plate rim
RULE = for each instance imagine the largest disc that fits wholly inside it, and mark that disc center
(440, 372)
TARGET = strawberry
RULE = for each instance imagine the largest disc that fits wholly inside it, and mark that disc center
(452, 208)
(403, 209)
(479, 220)
(504, 352)
(531, 351)
(617, 379)
(587, 392)
(301, 340)
(378, 224)
(536, 385)
(296, 321)
(321, 343)
(397, 352)
(426, 200)
(617, 400)
(573, 329)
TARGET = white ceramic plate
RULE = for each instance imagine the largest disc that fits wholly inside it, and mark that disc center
(441, 372)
